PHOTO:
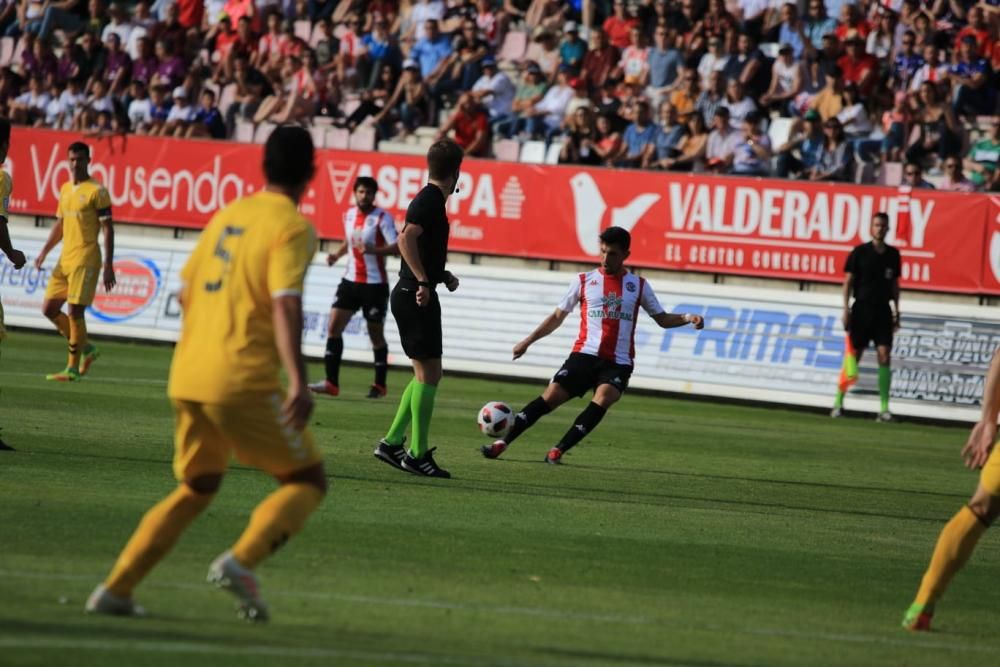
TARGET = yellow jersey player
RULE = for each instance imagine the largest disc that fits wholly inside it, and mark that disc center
(84, 208)
(242, 301)
(15, 256)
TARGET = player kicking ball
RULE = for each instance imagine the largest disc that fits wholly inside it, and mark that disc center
(602, 359)
(369, 235)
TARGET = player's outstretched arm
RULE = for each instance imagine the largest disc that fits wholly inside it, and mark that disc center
(55, 236)
(332, 258)
(673, 320)
(984, 433)
(15, 256)
(288, 339)
(548, 325)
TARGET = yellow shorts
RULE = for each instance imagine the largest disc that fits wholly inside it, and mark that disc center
(989, 477)
(77, 286)
(206, 435)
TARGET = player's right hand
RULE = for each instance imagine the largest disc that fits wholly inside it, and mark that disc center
(520, 349)
(846, 319)
(331, 259)
(39, 261)
(17, 258)
(297, 407)
(980, 444)
(423, 295)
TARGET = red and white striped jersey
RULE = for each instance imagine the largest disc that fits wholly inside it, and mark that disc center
(609, 306)
(375, 229)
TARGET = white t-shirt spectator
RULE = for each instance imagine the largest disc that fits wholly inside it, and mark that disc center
(721, 145)
(69, 102)
(786, 75)
(132, 45)
(739, 110)
(38, 102)
(423, 12)
(123, 30)
(140, 112)
(213, 10)
(710, 63)
(180, 113)
(855, 121)
(52, 111)
(500, 102)
(554, 104)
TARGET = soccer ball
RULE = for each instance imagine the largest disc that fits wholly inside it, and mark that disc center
(496, 419)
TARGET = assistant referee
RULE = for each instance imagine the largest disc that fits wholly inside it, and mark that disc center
(423, 246)
(871, 273)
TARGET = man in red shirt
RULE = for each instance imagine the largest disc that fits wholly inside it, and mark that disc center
(859, 68)
(471, 125)
(600, 61)
(618, 26)
(980, 30)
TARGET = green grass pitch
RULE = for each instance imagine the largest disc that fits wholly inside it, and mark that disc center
(679, 533)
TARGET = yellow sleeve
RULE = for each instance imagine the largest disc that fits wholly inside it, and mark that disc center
(289, 260)
(102, 202)
(6, 188)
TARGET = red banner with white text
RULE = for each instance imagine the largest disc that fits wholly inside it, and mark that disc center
(759, 227)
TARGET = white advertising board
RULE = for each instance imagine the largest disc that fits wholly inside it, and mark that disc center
(765, 345)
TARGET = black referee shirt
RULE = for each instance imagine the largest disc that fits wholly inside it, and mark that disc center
(427, 211)
(874, 273)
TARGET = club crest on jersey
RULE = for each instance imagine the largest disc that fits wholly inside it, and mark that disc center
(630, 287)
(593, 282)
(610, 308)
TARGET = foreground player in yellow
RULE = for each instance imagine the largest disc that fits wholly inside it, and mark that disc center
(242, 303)
(959, 537)
(84, 208)
(15, 256)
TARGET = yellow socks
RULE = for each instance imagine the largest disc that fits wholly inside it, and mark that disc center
(957, 541)
(156, 535)
(77, 341)
(62, 324)
(276, 519)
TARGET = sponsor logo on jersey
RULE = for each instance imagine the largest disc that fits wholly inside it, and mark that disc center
(138, 284)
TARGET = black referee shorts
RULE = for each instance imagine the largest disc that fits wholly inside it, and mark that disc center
(419, 326)
(871, 323)
(371, 300)
(583, 372)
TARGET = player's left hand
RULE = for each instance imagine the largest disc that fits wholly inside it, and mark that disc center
(520, 349)
(17, 258)
(297, 407)
(697, 320)
(980, 444)
(451, 282)
(109, 277)
(331, 259)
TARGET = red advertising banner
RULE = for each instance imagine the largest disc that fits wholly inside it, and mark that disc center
(759, 227)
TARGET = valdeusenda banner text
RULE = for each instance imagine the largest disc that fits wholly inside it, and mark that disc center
(758, 227)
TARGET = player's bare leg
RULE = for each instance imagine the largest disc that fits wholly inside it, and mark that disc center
(276, 519)
(954, 547)
(69, 329)
(605, 396)
(339, 319)
(884, 382)
(553, 396)
(157, 533)
(380, 350)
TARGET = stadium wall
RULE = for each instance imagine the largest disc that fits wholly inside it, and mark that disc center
(759, 228)
(772, 346)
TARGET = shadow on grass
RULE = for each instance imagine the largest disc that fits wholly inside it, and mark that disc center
(638, 659)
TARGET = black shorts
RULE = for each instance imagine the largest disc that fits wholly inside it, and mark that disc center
(371, 300)
(419, 326)
(583, 372)
(871, 323)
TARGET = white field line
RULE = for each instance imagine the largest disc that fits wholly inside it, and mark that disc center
(912, 641)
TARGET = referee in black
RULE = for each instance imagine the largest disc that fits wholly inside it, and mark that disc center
(872, 276)
(423, 246)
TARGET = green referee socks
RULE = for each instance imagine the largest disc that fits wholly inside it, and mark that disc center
(403, 414)
(422, 407)
(884, 382)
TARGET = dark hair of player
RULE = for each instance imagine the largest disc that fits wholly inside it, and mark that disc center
(366, 182)
(4, 131)
(289, 156)
(79, 147)
(444, 159)
(616, 236)
(884, 217)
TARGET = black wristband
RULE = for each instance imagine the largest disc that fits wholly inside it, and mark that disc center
(423, 283)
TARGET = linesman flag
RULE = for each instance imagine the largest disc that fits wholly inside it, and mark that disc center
(849, 369)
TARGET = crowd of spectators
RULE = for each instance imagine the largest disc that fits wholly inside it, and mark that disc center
(685, 85)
